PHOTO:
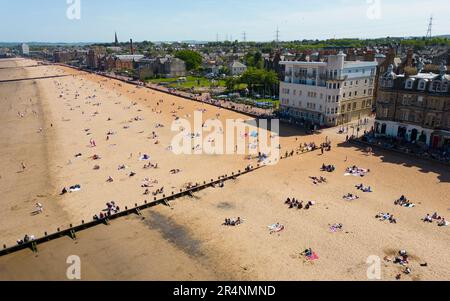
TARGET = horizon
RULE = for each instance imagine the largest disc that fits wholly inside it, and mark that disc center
(446, 36)
(56, 21)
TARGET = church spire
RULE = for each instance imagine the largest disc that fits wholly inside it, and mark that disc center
(116, 40)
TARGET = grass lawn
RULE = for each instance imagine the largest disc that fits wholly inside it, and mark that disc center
(191, 81)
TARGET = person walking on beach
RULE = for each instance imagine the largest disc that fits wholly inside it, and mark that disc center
(23, 166)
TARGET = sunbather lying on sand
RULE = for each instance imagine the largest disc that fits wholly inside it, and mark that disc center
(233, 222)
(350, 197)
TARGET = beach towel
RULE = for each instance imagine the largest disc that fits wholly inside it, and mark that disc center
(313, 257)
(276, 228)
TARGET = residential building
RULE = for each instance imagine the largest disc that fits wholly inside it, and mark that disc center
(24, 49)
(237, 68)
(123, 62)
(162, 67)
(94, 57)
(415, 108)
(327, 93)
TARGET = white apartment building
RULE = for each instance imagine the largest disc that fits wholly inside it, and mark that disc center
(328, 93)
(24, 49)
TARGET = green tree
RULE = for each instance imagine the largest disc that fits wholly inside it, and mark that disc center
(192, 58)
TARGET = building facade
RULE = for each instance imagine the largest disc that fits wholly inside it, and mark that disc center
(328, 93)
(163, 67)
(415, 108)
(122, 62)
(24, 49)
(237, 68)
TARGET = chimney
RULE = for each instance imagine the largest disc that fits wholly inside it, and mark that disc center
(131, 46)
(409, 58)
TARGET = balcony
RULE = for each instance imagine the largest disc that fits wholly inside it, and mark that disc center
(327, 77)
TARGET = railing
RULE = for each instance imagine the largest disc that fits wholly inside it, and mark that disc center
(333, 77)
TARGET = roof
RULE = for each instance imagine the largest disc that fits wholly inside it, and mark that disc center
(129, 57)
(237, 64)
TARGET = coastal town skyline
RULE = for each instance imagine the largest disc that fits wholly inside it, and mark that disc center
(51, 20)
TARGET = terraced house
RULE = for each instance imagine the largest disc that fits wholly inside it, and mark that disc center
(415, 107)
(328, 93)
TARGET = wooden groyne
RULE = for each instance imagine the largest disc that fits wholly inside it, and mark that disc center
(137, 209)
(30, 78)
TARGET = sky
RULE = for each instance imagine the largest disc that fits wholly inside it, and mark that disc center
(205, 20)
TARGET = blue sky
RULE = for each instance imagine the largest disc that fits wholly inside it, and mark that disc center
(175, 20)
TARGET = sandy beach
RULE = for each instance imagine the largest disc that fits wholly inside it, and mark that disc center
(54, 127)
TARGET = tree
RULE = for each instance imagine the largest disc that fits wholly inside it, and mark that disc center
(260, 80)
(231, 82)
(192, 58)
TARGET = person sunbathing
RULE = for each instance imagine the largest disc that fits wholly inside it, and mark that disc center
(351, 197)
(428, 219)
(307, 253)
(443, 223)
(367, 189)
(392, 220)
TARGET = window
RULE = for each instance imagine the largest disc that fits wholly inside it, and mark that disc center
(409, 84)
(435, 86)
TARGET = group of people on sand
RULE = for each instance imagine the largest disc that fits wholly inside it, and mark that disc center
(356, 171)
(402, 259)
(308, 146)
(318, 180)
(364, 188)
(404, 202)
(350, 197)
(111, 208)
(441, 221)
(233, 222)
(27, 238)
(294, 203)
(175, 171)
(73, 188)
(158, 191)
(386, 217)
(336, 227)
(150, 165)
(328, 168)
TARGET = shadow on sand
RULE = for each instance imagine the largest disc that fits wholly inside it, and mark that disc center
(424, 165)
